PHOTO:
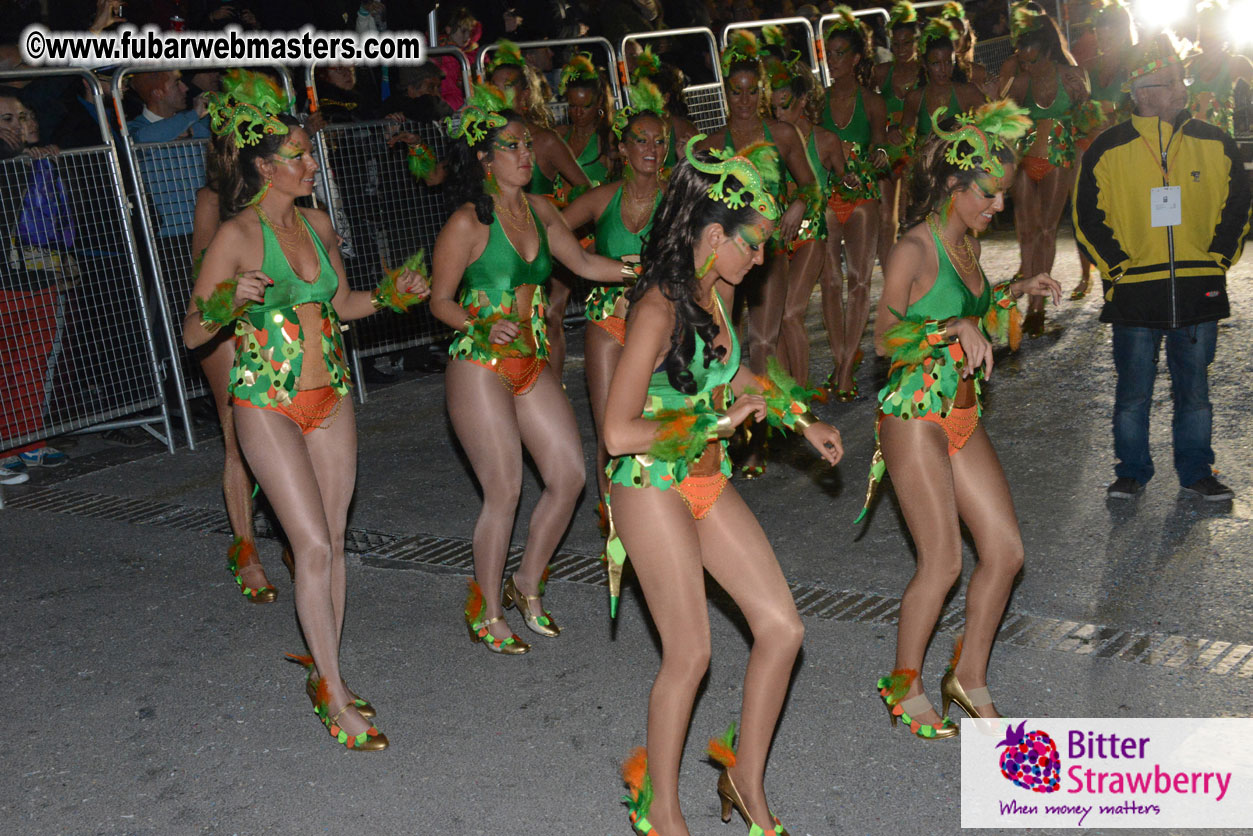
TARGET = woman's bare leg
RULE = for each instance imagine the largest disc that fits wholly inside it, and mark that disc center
(793, 340)
(550, 434)
(916, 454)
(236, 483)
(1051, 194)
(309, 481)
(1027, 226)
(660, 536)
(601, 355)
(558, 299)
(765, 319)
(484, 418)
(738, 556)
(861, 234)
(890, 191)
(987, 509)
(831, 280)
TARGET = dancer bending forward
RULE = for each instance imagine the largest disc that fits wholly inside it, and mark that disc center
(677, 392)
(934, 318)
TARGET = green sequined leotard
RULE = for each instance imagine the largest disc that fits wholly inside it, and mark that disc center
(489, 291)
(895, 113)
(271, 340)
(924, 117)
(1061, 139)
(614, 240)
(856, 138)
(641, 470)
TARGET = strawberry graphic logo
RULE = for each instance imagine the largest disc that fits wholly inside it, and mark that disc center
(1030, 759)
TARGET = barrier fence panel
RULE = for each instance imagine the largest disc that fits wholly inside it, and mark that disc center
(76, 342)
(706, 104)
(164, 179)
(993, 52)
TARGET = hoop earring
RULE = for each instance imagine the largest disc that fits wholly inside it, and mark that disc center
(260, 195)
(704, 269)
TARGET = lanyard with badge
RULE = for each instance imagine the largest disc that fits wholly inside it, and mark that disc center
(1165, 203)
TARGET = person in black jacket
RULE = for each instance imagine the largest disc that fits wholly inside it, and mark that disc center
(1161, 207)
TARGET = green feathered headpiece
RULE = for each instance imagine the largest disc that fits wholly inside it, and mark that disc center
(644, 98)
(1023, 20)
(506, 54)
(647, 65)
(981, 133)
(256, 88)
(936, 31)
(845, 21)
(952, 11)
(772, 35)
(741, 46)
(245, 123)
(779, 72)
(753, 170)
(480, 114)
(579, 68)
(902, 14)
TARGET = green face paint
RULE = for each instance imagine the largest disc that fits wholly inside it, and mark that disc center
(511, 142)
(753, 235)
(290, 152)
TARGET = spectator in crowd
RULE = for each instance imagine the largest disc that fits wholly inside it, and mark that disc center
(416, 97)
(463, 31)
(35, 273)
(166, 116)
(1178, 220)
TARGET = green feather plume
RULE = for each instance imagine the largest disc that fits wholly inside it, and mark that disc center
(219, 308)
(773, 35)
(578, 68)
(907, 340)
(421, 161)
(506, 54)
(741, 46)
(937, 30)
(902, 14)
(844, 21)
(682, 434)
(647, 65)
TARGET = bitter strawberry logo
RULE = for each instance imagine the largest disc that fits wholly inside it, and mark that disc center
(1030, 759)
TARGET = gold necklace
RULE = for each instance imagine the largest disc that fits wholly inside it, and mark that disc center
(289, 237)
(637, 210)
(964, 266)
(516, 223)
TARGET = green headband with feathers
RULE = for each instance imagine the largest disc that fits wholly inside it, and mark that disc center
(480, 114)
(1023, 20)
(647, 65)
(845, 21)
(579, 68)
(744, 177)
(981, 133)
(936, 31)
(902, 14)
(645, 98)
(506, 54)
(741, 46)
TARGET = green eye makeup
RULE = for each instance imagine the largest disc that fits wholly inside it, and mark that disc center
(753, 236)
(290, 152)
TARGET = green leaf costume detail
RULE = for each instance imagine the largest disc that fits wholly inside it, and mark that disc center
(388, 295)
(480, 113)
(486, 308)
(421, 161)
(269, 354)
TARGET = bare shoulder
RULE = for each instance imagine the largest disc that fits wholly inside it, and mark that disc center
(653, 308)
(321, 223)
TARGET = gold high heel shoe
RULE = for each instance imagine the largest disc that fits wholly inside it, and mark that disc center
(531, 608)
(722, 750)
(892, 690)
(510, 645)
(311, 687)
(953, 692)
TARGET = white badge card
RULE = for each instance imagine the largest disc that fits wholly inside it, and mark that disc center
(1166, 207)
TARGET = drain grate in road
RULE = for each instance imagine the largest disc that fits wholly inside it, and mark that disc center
(393, 551)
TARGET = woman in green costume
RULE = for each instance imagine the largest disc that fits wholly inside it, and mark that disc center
(747, 94)
(622, 212)
(934, 320)
(944, 89)
(497, 248)
(273, 272)
(1046, 173)
(555, 172)
(1214, 69)
(671, 81)
(858, 116)
(678, 392)
(895, 80)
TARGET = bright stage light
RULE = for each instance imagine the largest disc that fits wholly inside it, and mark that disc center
(1156, 15)
(1240, 24)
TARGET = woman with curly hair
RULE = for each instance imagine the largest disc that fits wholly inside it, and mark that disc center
(497, 248)
(678, 392)
(274, 274)
(552, 163)
(859, 117)
(622, 212)
(748, 106)
(934, 320)
(1046, 173)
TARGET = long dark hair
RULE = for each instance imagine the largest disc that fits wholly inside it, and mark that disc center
(670, 80)
(603, 94)
(464, 183)
(231, 171)
(929, 182)
(685, 211)
(861, 43)
(1046, 37)
(959, 73)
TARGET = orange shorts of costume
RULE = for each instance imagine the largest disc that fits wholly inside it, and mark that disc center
(701, 492)
(1037, 168)
(844, 209)
(309, 409)
(614, 325)
(959, 425)
(518, 374)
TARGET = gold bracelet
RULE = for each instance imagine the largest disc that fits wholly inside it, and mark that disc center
(631, 272)
(376, 301)
(724, 427)
(805, 420)
(467, 325)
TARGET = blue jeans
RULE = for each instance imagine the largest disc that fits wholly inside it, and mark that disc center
(1189, 351)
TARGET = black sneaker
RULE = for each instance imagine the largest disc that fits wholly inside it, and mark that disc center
(1124, 487)
(1209, 489)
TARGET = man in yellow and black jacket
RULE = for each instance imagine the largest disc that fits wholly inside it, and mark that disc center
(1161, 207)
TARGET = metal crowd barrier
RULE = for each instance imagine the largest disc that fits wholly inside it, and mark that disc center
(165, 177)
(76, 343)
(599, 43)
(706, 103)
(993, 53)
